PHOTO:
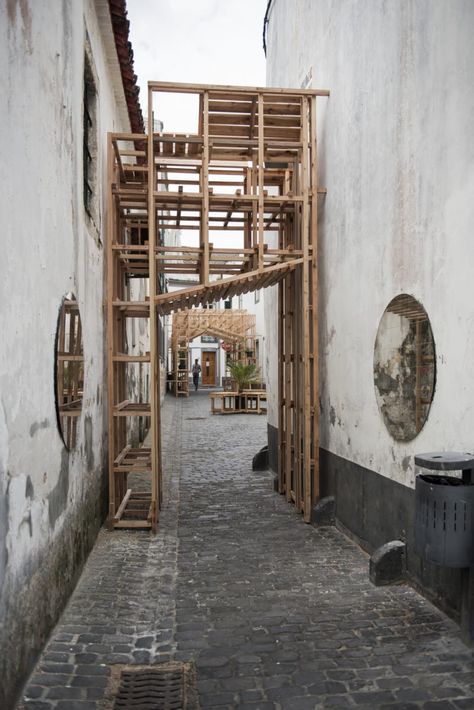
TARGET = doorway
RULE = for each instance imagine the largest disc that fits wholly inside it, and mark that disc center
(208, 368)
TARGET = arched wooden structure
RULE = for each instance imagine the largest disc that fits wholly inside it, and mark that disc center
(249, 172)
(236, 327)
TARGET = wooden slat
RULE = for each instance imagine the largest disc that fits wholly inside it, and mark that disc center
(306, 303)
(122, 506)
(314, 304)
(111, 235)
(155, 403)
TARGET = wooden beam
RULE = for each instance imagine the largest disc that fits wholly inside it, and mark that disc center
(154, 341)
(109, 327)
(306, 304)
(185, 88)
(261, 160)
(314, 304)
(205, 193)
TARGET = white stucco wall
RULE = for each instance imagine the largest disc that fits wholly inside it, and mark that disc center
(254, 302)
(47, 251)
(397, 157)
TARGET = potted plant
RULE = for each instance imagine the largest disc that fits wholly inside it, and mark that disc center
(243, 374)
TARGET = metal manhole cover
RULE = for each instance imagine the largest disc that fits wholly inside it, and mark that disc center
(166, 686)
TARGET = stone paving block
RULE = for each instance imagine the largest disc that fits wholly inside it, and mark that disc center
(49, 679)
(75, 705)
(298, 703)
(65, 694)
(338, 701)
(217, 699)
(65, 668)
(99, 670)
(35, 692)
(89, 681)
(373, 698)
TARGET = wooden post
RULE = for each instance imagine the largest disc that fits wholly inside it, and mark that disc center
(288, 301)
(261, 160)
(205, 194)
(154, 341)
(307, 483)
(314, 305)
(110, 332)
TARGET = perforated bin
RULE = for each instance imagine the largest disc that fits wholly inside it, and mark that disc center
(444, 513)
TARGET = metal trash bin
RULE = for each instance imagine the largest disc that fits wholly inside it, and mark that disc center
(444, 510)
(444, 522)
(444, 532)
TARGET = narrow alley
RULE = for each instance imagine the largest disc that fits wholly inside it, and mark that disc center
(272, 612)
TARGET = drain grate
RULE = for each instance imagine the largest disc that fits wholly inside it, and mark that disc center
(167, 686)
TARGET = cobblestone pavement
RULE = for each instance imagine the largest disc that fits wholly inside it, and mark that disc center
(274, 613)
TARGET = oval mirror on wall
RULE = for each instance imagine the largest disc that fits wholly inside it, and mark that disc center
(404, 367)
(69, 370)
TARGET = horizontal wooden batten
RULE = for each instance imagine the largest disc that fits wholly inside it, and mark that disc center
(121, 357)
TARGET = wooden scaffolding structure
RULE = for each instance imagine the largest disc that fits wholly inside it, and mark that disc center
(249, 171)
(235, 327)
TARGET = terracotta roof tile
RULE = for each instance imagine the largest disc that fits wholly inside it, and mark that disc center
(120, 25)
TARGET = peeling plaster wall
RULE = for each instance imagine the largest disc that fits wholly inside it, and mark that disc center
(397, 157)
(258, 309)
(51, 501)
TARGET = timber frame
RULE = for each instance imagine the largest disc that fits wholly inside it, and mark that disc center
(249, 171)
(235, 327)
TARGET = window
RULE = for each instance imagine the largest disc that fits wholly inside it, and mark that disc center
(90, 152)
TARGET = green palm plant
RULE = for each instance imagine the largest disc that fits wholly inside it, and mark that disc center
(243, 373)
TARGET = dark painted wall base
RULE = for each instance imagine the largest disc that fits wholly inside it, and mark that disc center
(34, 608)
(373, 510)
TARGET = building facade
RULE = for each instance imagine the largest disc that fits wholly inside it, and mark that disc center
(67, 80)
(397, 158)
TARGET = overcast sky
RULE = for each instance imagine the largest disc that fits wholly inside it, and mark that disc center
(195, 41)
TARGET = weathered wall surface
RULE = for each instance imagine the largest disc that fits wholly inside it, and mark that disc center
(397, 157)
(254, 302)
(51, 500)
